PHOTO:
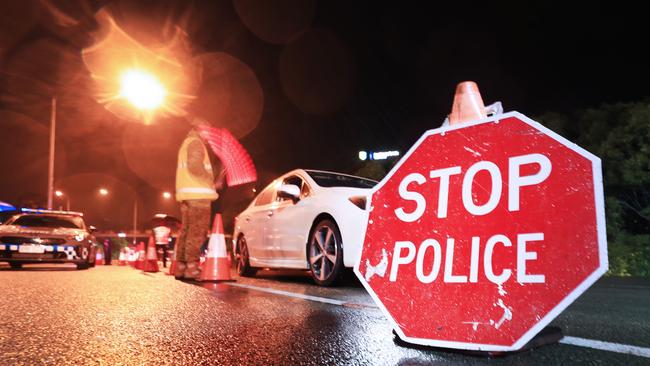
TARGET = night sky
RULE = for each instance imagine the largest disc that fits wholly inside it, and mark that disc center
(303, 84)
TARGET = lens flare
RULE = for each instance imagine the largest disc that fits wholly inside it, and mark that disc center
(142, 89)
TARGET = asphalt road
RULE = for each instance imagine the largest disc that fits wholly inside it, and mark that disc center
(110, 315)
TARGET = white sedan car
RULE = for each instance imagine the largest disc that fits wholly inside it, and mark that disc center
(306, 219)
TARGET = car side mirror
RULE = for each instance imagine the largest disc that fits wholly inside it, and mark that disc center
(289, 191)
(92, 229)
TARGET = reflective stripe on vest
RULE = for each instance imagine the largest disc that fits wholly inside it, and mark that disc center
(196, 190)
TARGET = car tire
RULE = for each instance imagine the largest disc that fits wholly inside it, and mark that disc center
(15, 265)
(91, 259)
(244, 268)
(326, 269)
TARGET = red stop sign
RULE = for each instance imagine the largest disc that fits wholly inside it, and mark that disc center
(483, 233)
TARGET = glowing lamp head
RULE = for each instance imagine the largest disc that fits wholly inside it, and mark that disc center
(142, 89)
(167, 195)
(58, 194)
(103, 191)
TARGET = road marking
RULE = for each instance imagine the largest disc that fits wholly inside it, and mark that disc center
(573, 341)
(290, 294)
(607, 346)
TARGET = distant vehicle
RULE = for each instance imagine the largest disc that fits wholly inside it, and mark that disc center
(42, 236)
(306, 219)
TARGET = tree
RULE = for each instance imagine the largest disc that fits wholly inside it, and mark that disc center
(620, 135)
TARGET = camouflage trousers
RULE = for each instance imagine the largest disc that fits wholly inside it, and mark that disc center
(195, 217)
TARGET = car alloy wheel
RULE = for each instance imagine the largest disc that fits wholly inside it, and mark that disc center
(243, 265)
(325, 253)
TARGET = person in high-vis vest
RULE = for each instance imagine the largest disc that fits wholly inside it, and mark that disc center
(195, 190)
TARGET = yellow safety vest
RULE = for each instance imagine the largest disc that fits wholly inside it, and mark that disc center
(188, 185)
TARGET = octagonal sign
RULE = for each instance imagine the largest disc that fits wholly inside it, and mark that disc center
(483, 233)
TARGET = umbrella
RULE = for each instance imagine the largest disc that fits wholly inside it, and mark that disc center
(4, 206)
(238, 164)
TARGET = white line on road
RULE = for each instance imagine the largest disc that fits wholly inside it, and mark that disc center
(607, 346)
(290, 294)
(573, 341)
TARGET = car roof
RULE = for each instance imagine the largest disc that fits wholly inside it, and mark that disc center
(337, 173)
(39, 211)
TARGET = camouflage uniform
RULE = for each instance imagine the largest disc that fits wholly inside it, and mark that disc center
(195, 215)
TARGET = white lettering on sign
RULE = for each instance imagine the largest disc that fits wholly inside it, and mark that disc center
(413, 196)
(523, 256)
(419, 265)
(443, 197)
(449, 262)
(495, 193)
(487, 264)
(398, 259)
(490, 251)
(515, 182)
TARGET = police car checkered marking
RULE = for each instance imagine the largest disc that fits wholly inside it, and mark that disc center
(70, 252)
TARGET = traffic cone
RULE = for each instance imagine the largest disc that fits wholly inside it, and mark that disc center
(468, 104)
(122, 258)
(216, 266)
(151, 262)
(172, 266)
(139, 264)
(99, 258)
(132, 257)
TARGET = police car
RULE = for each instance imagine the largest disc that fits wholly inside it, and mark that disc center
(44, 236)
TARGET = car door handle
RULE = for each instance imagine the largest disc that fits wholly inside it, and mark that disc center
(270, 214)
(247, 219)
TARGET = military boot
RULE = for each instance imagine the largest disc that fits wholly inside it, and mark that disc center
(193, 271)
(179, 273)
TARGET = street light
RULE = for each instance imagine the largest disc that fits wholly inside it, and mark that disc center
(167, 195)
(67, 199)
(142, 89)
(103, 191)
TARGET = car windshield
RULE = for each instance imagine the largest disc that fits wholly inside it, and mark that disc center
(70, 222)
(325, 179)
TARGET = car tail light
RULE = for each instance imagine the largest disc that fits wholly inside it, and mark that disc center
(359, 201)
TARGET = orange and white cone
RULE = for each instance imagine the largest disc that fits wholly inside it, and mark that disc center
(468, 104)
(139, 264)
(132, 257)
(151, 262)
(172, 266)
(216, 266)
(122, 258)
(99, 258)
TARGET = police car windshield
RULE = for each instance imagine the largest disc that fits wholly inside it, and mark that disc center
(325, 179)
(69, 222)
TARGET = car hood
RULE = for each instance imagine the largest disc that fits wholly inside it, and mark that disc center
(348, 191)
(27, 231)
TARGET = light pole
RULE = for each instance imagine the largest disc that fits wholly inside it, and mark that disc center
(135, 220)
(50, 171)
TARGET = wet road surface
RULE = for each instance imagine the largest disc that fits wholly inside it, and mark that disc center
(110, 315)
